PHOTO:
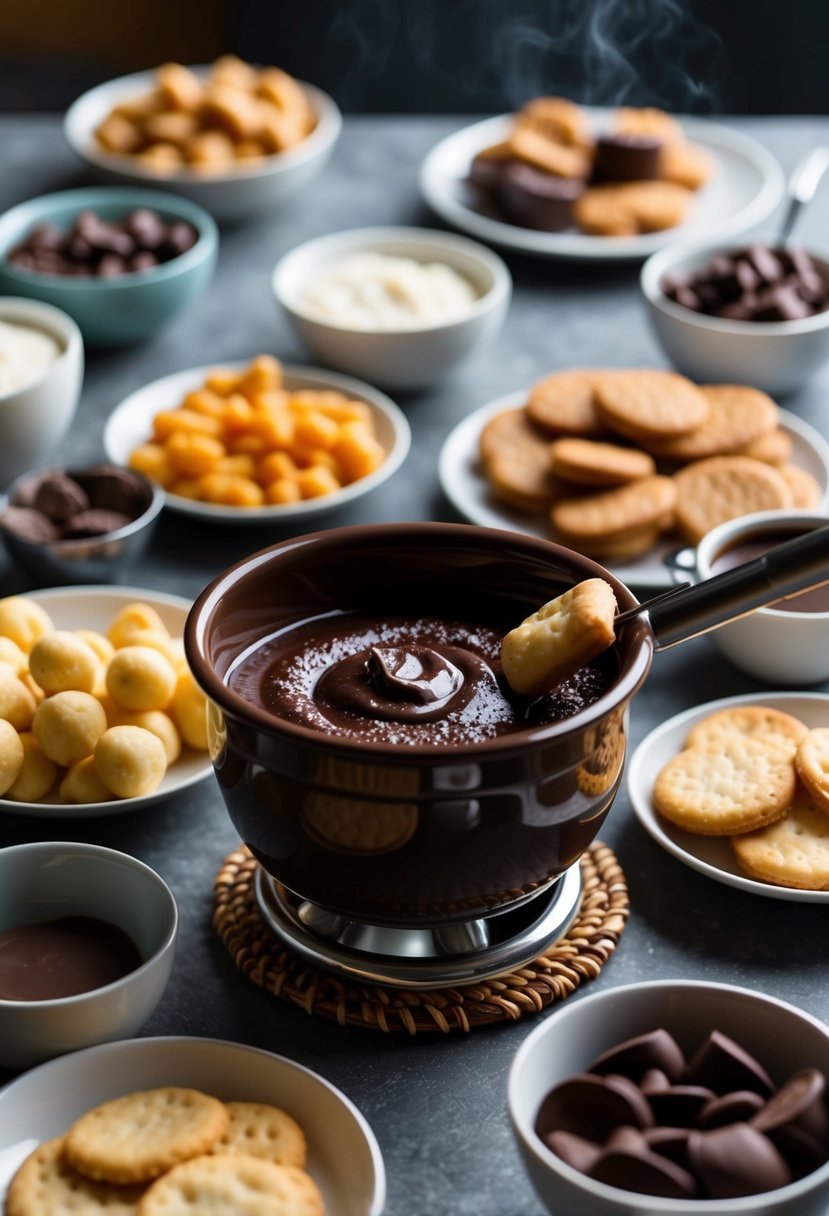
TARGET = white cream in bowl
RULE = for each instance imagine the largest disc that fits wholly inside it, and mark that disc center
(26, 353)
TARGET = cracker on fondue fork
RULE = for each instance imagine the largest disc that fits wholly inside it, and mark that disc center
(561, 637)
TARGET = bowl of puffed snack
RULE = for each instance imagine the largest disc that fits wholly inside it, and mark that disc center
(619, 463)
(230, 136)
(255, 442)
(99, 712)
(180, 1125)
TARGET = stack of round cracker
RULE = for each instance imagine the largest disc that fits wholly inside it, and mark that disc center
(170, 1152)
(617, 459)
(761, 777)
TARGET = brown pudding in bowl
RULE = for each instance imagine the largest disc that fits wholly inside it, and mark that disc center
(366, 744)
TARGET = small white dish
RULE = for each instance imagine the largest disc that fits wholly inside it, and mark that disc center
(34, 418)
(130, 424)
(466, 487)
(93, 608)
(51, 880)
(712, 855)
(782, 1037)
(745, 189)
(775, 356)
(400, 358)
(245, 191)
(343, 1155)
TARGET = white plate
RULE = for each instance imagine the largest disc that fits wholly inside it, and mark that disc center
(467, 489)
(130, 424)
(343, 1155)
(712, 855)
(94, 608)
(744, 190)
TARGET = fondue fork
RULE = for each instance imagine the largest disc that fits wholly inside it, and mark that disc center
(686, 611)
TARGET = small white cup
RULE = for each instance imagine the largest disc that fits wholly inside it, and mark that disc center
(776, 645)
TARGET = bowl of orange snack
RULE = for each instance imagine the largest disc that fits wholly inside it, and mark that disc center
(230, 136)
(251, 442)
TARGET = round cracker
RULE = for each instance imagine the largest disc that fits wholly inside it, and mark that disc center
(806, 493)
(140, 1135)
(599, 464)
(565, 403)
(737, 415)
(759, 722)
(794, 852)
(730, 786)
(263, 1131)
(773, 447)
(45, 1185)
(232, 1185)
(629, 208)
(709, 492)
(516, 461)
(612, 514)
(649, 404)
(688, 165)
(812, 763)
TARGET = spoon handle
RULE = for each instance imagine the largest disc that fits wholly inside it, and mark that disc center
(803, 183)
(796, 565)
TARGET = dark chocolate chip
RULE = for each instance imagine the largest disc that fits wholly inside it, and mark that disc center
(646, 1172)
(29, 523)
(578, 1152)
(736, 1160)
(588, 1106)
(113, 489)
(94, 522)
(801, 1101)
(653, 1082)
(634, 1057)
(679, 1105)
(180, 237)
(802, 1152)
(670, 1142)
(723, 1065)
(143, 260)
(59, 497)
(736, 1107)
(765, 262)
(147, 228)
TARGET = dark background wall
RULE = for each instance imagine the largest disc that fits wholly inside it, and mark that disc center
(453, 56)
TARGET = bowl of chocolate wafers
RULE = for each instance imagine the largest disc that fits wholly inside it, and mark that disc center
(757, 314)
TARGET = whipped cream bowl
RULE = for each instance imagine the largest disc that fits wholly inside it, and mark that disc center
(410, 791)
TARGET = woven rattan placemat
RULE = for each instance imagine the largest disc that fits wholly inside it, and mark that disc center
(272, 965)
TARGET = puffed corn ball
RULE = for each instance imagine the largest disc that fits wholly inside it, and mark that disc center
(62, 691)
(243, 440)
(130, 761)
(68, 725)
(11, 755)
(61, 660)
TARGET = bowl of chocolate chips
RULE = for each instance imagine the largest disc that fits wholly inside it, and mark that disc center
(121, 262)
(757, 314)
(79, 525)
(675, 1097)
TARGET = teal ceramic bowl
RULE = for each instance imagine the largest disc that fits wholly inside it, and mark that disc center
(111, 312)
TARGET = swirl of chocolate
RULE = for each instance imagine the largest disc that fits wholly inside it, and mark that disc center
(405, 683)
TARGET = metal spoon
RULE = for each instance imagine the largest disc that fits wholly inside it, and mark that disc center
(801, 188)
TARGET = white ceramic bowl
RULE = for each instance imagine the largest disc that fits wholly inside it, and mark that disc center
(130, 424)
(776, 356)
(780, 1036)
(34, 419)
(49, 880)
(771, 644)
(344, 1158)
(245, 191)
(401, 358)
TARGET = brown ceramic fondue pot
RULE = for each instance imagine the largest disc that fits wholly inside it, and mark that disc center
(402, 803)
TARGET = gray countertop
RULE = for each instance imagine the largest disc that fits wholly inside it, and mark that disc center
(437, 1104)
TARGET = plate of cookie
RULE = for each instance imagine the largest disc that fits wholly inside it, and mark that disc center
(563, 181)
(160, 1125)
(737, 790)
(86, 675)
(587, 458)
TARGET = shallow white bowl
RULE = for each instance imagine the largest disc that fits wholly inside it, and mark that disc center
(343, 1155)
(776, 356)
(130, 424)
(782, 1037)
(772, 644)
(49, 880)
(247, 190)
(402, 358)
(34, 419)
(93, 607)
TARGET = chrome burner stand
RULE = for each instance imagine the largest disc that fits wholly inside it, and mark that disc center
(430, 957)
